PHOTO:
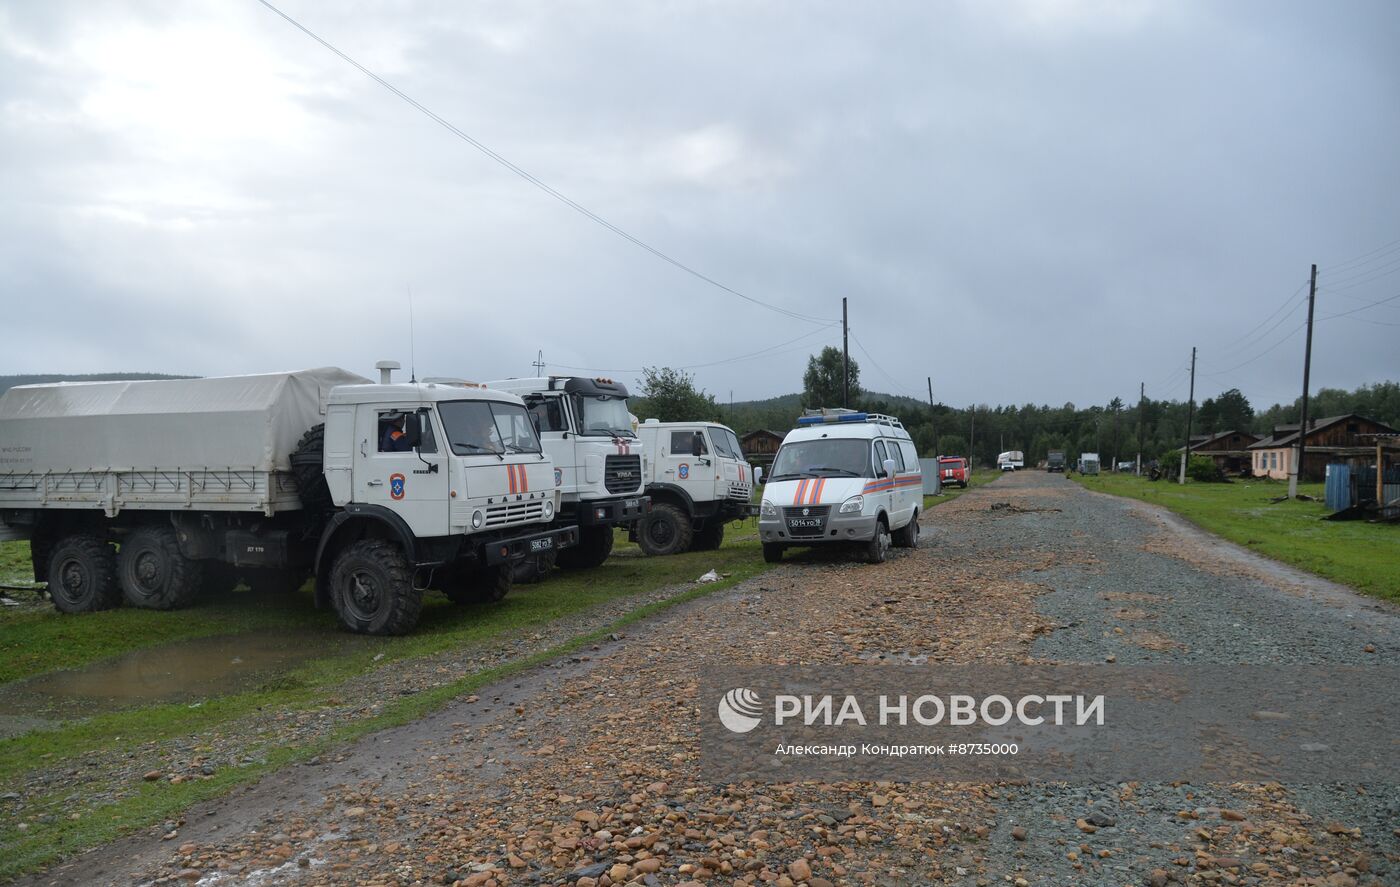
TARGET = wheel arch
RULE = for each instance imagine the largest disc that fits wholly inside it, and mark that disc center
(351, 525)
(671, 494)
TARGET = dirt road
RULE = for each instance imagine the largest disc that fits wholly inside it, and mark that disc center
(586, 771)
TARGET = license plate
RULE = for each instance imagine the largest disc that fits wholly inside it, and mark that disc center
(544, 544)
(632, 503)
(804, 522)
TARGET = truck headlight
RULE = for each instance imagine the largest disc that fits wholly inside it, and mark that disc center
(767, 509)
(852, 505)
(478, 519)
(548, 509)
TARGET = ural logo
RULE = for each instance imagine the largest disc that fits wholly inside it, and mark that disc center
(739, 710)
(397, 486)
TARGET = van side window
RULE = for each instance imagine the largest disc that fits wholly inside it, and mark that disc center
(911, 456)
(682, 443)
(880, 457)
(897, 456)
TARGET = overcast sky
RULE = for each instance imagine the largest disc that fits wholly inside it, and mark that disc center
(1029, 201)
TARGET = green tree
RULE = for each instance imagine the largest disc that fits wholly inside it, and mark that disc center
(1233, 412)
(821, 384)
(671, 396)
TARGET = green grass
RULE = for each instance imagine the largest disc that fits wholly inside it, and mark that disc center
(1362, 555)
(36, 641)
(14, 564)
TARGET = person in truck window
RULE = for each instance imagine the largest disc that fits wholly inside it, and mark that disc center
(395, 439)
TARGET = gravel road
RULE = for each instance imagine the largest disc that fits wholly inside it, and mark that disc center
(585, 771)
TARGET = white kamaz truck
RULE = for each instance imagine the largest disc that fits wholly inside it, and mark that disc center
(598, 459)
(697, 480)
(147, 492)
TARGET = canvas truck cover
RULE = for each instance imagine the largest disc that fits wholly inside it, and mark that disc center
(240, 422)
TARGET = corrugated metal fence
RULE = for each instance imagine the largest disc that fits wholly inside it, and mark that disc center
(1347, 486)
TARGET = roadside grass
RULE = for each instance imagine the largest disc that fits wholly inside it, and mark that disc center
(31, 637)
(14, 564)
(1362, 555)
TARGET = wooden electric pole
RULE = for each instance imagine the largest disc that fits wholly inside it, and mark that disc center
(1142, 401)
(932, 419)
(845, 359)
(1190, 414)
(1307, 366)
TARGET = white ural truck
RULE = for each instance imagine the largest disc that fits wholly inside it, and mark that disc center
(149, 491)
(598, 461)
(697, 480)
(1012, 460)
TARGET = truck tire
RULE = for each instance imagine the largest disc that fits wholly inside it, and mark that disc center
(772, 552)
(308, 468)
(907, 536)
(877, 550)
(83, 575)
(372, 589)
(153, 573)
(710, 538)
(594, 546)
(665, 530)
(484, 586)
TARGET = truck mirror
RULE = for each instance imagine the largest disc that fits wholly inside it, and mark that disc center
(889, 467)
(697, 445)
(758, 474)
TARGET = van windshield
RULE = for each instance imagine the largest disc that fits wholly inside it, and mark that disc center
(823, 458)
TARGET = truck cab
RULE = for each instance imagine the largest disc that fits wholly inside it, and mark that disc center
(599, 461)
(697, 480)
(1055, 461)
(843, 478)
(952, 471)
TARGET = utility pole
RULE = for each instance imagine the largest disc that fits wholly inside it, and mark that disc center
(1190, 414)
(1307, 366)
(933, 421)
(845, 358)
(972, 438)
(1142, 401)
(538, 364)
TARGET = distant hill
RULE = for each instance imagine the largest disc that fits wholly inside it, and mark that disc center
(8, 382)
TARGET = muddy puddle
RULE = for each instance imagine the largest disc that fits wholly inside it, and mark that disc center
(187, 671)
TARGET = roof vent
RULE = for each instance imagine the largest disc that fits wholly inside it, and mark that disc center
(386, 369)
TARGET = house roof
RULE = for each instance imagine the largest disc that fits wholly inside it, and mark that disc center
(757, 431)
(1212, 438)
(1287, 435)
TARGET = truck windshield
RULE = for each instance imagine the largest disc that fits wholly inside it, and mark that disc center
(486, 426)
(823, 458)
(604, 416)
(725, 444)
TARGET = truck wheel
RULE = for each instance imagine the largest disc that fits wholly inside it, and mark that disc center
(152, 571)
(484, 586)
(308, 468)
(907, 536)
(772, 552)
(594, 546)
(83, 575)
(665, 530)
(878, 548)
(710, 538)
(372, 589)
(273, 582)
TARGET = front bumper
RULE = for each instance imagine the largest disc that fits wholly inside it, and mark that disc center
(838, 528)
(609, 512)
(514, 549)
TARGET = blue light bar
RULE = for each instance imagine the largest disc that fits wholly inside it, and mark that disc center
(828, 420)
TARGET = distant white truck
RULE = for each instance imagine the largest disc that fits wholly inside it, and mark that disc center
(1011, 460)
(148, 492)
(697, 480)
(598, 459)
(1088, 463)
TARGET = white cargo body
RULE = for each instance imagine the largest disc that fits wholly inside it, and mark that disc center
(219, 444)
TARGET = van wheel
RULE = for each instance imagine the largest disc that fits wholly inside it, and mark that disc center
(484, 586)
(772, 552)
(152, 571)
(665, 530)
(594, 546)
(710, 538)
(878, 548)
(83, 575)
(372, 589)
(907, 536)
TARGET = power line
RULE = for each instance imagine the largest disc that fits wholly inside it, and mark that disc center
(538, 183)
(1384, 301)
(772, 349)
(1386, 249)
(1286, 302)
(1366, 276)
(893, 381)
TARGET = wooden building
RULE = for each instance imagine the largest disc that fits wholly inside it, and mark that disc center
(761, 446)
(1348, 439)
(1228, 449)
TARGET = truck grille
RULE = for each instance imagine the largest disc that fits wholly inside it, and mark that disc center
(514, 513)
(740, 491)
(622, 474)
(817, 513)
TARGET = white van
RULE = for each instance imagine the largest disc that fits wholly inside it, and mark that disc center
(843, 477)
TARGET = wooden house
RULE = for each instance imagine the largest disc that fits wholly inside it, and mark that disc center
(1228, 449)
(1348, 439)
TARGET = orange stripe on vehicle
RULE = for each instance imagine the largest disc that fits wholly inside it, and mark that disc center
(510, 475)
(524, 479)
(801, 491)
(817, 492)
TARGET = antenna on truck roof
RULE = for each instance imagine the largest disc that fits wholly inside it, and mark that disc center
(412, 357)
